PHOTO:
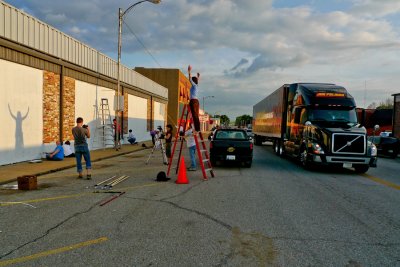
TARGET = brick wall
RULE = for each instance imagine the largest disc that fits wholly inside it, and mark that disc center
(68, 108)
(51, 107)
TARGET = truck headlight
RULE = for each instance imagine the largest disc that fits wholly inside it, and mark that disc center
(317, 149)
(372, 149)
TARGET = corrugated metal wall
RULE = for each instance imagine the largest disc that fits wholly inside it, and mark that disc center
(29, 31)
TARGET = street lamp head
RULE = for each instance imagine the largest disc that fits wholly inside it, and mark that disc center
(154, 1)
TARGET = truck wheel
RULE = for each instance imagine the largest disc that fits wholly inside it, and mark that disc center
(361, 168)
(304, 158)
(257, 140)
(278, 148)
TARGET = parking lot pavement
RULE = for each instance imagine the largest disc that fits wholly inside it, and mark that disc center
(10, 173)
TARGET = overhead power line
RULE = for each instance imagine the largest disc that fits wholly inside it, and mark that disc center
(145, 48)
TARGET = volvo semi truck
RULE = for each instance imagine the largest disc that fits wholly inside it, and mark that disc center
(315, 123)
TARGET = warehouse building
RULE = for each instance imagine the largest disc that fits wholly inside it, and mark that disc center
(48, 79)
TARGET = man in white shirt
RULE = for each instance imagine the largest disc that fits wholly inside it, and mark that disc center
(132, 138)
(68, 150)
(191, 144)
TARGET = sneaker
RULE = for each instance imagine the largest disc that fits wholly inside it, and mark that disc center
(89, 176)
(80, 176)
(192, 169)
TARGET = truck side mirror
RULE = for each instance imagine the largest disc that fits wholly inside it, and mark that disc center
(376, 128)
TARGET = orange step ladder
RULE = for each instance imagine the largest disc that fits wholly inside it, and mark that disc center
(202, 152)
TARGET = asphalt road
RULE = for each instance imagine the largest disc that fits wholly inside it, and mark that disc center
(273, 214)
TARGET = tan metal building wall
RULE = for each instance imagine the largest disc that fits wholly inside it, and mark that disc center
(178, 89)
(27, 31)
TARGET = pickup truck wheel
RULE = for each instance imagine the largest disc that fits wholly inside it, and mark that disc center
(247, 164)
(361, 168)
(213, 162)
(395, 153)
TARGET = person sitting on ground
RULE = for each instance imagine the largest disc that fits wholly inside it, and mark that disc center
(68, 150)
(57, 154)
(132, 138)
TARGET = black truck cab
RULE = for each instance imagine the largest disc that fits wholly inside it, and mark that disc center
(321, 127)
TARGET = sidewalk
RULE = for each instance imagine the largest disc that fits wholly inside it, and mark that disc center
(10, 173)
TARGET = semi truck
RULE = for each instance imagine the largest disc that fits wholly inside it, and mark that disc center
(315, 123)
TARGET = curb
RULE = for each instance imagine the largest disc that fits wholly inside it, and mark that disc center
(73, 165)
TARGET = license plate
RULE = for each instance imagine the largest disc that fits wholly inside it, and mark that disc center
(230, 157)
(347, 165)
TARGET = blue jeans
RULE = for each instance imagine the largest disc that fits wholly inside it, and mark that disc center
(192, 151)
(82, 150)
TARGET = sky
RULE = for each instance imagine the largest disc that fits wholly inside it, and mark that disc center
(245, 49)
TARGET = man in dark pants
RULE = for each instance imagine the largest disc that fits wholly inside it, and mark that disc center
(194, 101)
(81, 133)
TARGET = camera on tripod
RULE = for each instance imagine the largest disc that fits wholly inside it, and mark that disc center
(160, 133)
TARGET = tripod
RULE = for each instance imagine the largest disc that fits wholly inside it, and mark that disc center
(158, 144)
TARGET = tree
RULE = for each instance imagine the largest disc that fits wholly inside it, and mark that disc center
(224, 120)
(372, 105)
(387, 104)
(243, 120)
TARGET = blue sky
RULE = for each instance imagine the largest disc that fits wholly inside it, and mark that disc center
(245, 49)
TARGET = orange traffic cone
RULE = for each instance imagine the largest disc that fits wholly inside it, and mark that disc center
(182, 178)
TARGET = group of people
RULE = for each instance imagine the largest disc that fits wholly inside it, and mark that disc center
(81, 133)
(118, 135)
(188, 133)
(61, 151)
(190, 142)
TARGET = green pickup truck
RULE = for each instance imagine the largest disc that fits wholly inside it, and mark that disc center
(231, 145)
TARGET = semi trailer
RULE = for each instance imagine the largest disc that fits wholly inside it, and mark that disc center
(315, 123)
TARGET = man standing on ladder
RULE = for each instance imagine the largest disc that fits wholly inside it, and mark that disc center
(194, 101)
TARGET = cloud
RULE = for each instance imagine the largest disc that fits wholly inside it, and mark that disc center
(245, 49)
(374, 8)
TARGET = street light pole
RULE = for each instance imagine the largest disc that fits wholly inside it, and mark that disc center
(121, 14)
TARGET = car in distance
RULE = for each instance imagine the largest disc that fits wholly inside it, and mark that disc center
(231, 145)
(250, 133)
(389, 146)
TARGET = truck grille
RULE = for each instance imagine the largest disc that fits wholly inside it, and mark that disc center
(344, 143)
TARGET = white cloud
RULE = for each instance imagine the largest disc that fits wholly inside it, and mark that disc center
(245, 49)
(375, 8)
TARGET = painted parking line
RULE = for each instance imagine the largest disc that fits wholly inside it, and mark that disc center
(52, 252)
(381, 181)
(2, 204)
(42, 199)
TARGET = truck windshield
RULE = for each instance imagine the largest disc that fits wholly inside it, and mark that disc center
(339, 117)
